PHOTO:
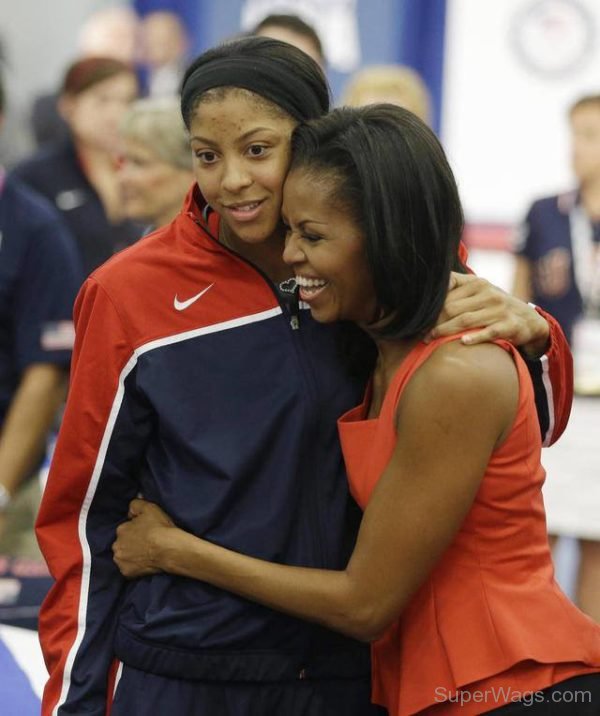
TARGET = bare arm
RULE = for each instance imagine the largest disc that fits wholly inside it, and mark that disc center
(28, 421)
(415, 511)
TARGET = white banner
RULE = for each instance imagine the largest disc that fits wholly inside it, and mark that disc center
(512, 69)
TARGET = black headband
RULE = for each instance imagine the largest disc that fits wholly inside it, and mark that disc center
(265, 76)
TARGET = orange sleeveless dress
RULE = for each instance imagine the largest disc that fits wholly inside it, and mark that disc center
(490, 624)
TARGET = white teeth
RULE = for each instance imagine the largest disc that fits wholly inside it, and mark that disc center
(310, 282)
(245, 207)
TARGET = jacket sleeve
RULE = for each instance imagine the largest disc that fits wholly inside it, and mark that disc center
(552, 376)
(552, 373)
(93, 477)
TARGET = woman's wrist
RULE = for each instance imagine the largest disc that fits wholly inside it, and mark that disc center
(159, 540)
(170, 550)
(540, 341)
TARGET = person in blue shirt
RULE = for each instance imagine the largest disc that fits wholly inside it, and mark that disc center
(558, 268)
(80, 175)
(40, 273)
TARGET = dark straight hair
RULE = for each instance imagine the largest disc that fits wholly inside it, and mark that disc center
(390, 172)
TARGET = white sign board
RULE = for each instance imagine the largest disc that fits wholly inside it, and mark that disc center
(512, 69)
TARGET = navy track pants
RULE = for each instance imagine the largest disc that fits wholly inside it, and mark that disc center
(140, 693)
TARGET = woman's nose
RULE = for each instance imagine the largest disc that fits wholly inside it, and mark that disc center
(292, 253)
(235, 177)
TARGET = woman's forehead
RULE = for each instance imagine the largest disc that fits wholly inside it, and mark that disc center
(242, 98)
(237, 112)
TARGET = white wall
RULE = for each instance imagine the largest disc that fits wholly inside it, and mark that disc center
(512, 69)
(39, 39)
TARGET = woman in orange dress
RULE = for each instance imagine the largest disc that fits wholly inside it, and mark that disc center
(451, 577)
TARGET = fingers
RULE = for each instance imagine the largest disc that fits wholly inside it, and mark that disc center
(474, 295)
(485, 335)
(456, 305)
(137, 507)
(117, 557)
(472, 303)
(470, 280)
(128, 569)
(453, 283)
(462, 321)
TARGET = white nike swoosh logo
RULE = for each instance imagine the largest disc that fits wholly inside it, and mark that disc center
(182, 305)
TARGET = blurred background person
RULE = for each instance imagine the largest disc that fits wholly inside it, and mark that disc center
(156, 167)
(295, 31)
(80, 175)
(396, 84)
(40, 274)
(111, 32)
(163, 55)
(16, 138)
(558, 268)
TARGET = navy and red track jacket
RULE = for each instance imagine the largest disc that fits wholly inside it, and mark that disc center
(193, 385)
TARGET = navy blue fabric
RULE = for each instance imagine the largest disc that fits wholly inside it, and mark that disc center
(56, 174)
(267, 491)
(33, 585)
(226, 417)
(118, 486)
(40, 274)
(548, 228)
(139, 694)
(233, 432)
(422, 46)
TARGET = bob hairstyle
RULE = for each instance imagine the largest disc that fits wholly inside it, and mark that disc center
(156, 123)
(288, 66)
(389, 171)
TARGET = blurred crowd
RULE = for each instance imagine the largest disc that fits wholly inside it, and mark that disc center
(112, 162)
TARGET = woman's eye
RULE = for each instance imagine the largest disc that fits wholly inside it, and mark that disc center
(256, 150)
(206, 157)
(312, 238)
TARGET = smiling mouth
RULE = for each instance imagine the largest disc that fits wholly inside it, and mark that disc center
(244, 211)
(246, 206)
(310, 287)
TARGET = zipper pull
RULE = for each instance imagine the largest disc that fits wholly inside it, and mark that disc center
(294, 323)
